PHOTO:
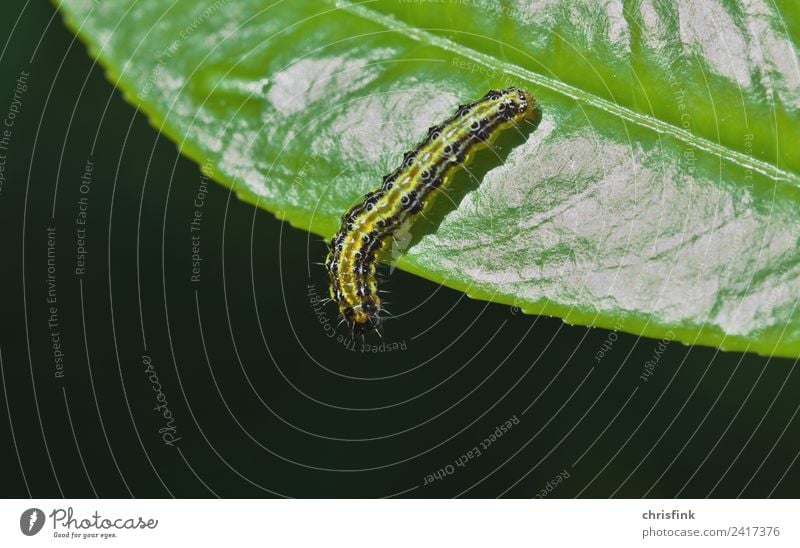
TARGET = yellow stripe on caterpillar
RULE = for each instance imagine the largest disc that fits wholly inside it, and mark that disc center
(404, 194)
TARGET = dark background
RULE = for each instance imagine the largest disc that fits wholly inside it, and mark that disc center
(264, 403)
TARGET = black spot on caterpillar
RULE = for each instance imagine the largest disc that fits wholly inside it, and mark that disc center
(406, 192)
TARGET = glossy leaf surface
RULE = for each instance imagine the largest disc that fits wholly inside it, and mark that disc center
(660, 194)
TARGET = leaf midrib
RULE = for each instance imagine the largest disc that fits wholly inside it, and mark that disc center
(425, 36)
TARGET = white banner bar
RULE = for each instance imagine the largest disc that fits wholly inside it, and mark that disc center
(400, 523)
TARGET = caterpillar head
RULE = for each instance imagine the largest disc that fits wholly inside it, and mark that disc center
(524, 102)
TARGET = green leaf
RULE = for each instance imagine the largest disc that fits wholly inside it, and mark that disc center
(660, 194)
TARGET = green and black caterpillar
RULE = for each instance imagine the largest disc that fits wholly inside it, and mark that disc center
(406, 192)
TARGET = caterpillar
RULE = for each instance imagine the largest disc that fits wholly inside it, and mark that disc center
(408, 191)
